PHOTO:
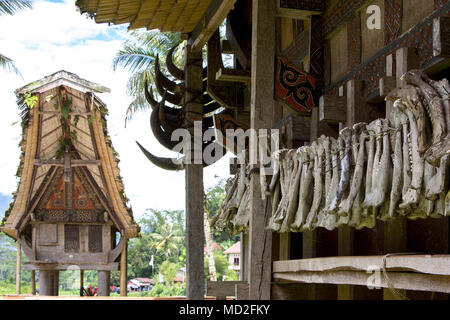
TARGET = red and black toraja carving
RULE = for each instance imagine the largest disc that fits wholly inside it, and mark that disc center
(313, 5)
(392, 20)
(294, 87)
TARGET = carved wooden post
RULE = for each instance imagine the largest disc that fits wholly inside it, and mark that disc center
(263, 57)
(18, 267)
(123, 267)
(195, 286)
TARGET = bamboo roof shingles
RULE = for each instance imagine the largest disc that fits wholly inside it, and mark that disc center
(41, 138)
(166, 15)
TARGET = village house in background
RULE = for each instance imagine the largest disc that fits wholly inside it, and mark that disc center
(139, 284)
(233, 254)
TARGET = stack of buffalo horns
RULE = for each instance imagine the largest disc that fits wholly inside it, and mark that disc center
(165, 119)
(391, 167)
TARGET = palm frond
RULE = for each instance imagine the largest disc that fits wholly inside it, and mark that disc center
(11, 7)
(138, 55)
(8, 64)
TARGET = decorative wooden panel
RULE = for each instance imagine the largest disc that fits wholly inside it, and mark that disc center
(439, 3)
(81, 195)
(420, 37)
(55, 197)
(316, 47)
(392, 20)
(338, 14)
(313, 5)
(71, 238)
(354, 41)
(294, 87)
(48, 234)
(95, 238)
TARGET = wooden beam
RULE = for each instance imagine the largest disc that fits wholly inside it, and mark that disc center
(73, 163)
(387, 84)
(18, 267)
(304, 12)
(298, 50)
(123, 266)
(70, 113)
(234, 75)
(441, 37)
(396, 280)
(405, 60)
(241, 291)
(332, 109)
(430, 264)
(261, 102)
(222, 289)
(213, 17)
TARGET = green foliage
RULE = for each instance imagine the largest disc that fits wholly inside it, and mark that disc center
(168, 271)
(11, 7)
(138, 55)
(30, 99)
(221, 266)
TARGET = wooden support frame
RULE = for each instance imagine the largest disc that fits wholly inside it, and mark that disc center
(213, 17)
(123, 267)
(262, 102)
(195, 287)
(332, 109)
(294, 13)
(18, 267)
(397, 280)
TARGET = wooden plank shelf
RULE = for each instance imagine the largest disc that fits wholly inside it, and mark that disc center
(235, 75)
(405, 272)
(430, 264)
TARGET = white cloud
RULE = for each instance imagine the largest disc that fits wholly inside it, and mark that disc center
(54, 36)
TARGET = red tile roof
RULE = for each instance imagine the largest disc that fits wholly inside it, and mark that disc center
(235, 248)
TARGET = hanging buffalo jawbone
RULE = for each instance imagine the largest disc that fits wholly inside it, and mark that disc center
(294, 87)
(372, 171)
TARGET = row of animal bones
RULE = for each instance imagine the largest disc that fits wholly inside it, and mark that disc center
(377, 170)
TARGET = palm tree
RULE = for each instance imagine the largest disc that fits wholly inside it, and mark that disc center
(11, 7)
(167, 239)
(138, 55)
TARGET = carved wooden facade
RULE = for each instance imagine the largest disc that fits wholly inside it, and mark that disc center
(70, 201)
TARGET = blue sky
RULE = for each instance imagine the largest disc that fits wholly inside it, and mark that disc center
(54, 36)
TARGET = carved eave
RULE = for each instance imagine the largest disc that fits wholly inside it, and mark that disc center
(89, 159)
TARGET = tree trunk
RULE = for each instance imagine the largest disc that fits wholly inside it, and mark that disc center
(209, 248)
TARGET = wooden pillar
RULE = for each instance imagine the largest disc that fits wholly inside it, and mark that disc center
(18, 267)
(243, 259)
(195, 286)
(103, 280)
(123, 267)
(262, 79)
(48, 282)
(389, 73)
(82, 282)
(55, 283)
(33, 282)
